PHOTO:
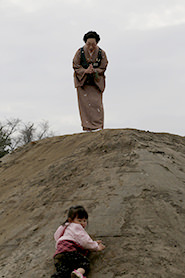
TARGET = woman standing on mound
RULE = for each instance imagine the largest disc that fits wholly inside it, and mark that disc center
(89, 64)
(72, 245)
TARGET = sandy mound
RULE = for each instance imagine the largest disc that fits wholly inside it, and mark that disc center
(131, 182)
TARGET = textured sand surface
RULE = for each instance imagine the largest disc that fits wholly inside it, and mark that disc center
(132, 184)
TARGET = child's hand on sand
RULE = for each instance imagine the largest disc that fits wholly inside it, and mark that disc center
(101, 246)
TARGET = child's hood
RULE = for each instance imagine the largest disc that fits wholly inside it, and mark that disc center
(59, 231)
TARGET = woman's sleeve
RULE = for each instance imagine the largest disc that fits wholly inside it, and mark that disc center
(104, 62)
(100, 80)
(79, 71)
(82, 238)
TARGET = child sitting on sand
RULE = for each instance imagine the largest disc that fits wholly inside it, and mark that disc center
(72, 245)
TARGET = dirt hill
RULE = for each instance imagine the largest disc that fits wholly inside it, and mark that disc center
(131, 182)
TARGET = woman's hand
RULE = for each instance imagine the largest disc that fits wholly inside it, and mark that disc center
(90, 69)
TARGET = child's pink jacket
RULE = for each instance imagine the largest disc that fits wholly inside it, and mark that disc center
(76, 233)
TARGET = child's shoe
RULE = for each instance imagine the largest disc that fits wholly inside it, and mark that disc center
(76, 274)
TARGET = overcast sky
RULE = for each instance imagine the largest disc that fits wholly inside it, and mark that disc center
(145, 45)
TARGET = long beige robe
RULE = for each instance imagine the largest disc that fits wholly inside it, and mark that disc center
(90, 96)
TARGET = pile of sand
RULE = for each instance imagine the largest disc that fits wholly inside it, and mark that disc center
(131, 182)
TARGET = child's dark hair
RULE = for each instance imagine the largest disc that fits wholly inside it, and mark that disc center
(76, 211)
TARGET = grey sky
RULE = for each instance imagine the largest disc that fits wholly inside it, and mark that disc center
(144, 41)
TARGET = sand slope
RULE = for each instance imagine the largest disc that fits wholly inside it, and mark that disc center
(131, 182)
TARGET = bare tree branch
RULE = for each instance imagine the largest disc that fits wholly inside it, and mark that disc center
(14, 133)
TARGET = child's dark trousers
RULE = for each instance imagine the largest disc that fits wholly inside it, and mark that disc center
(66, 262)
